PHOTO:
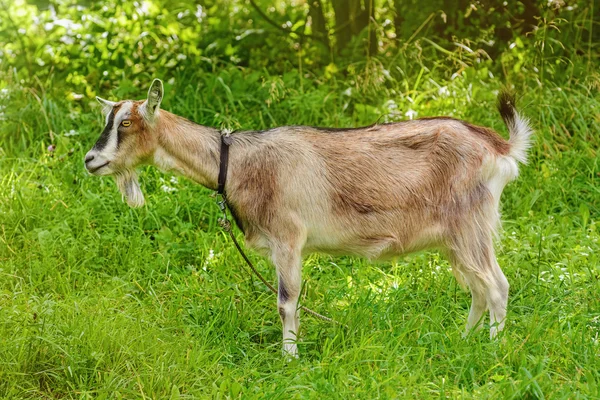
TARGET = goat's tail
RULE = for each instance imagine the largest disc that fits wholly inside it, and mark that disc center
(518, 126)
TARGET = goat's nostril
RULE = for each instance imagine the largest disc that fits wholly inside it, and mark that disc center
(89, 158)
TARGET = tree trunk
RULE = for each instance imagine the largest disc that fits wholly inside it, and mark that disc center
(368, 14)
(351, 17)
(319, 27)
(343, 30)
(529, 14)
(398, 19)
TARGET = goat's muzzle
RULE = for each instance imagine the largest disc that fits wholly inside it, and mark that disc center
(96, 164)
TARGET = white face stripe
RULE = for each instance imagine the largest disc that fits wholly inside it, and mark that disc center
(110, 150)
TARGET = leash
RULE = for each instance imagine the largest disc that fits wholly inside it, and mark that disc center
(225, 223)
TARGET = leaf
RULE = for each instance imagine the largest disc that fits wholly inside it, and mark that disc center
(585, 214)
(331, 70)
(175, 395)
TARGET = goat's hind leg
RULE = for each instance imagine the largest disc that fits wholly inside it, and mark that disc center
(475, 263)
(497, 299)
(478, 300)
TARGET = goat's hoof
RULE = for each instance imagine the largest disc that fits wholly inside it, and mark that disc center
(290, 352)
(471, 331)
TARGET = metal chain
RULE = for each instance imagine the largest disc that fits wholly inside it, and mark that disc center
(226, 226)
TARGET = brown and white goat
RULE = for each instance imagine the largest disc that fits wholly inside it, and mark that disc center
(376, 192)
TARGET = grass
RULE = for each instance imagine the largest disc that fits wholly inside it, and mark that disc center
(98, 300)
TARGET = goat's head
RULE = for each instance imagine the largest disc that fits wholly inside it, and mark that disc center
(128, 140)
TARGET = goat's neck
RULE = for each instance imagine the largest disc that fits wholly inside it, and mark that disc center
(188, 148)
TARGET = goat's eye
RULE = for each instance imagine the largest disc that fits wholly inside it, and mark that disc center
(126, 122)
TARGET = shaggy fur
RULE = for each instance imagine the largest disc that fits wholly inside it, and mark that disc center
(375, 192)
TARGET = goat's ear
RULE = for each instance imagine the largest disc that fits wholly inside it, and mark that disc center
(155, 95)
(106, 105)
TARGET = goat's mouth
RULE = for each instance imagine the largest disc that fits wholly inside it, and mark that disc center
(93, 170)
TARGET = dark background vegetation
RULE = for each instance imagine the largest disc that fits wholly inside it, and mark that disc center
(98, 300)
(260, 50)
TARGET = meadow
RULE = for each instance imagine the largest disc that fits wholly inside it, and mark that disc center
(98, 300)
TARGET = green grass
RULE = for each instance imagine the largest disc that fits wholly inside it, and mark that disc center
(100, 300)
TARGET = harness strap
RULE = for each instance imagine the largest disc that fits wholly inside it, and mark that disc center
(226, 141)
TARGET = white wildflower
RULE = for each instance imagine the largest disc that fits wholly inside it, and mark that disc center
(411, 114)
(199, 13)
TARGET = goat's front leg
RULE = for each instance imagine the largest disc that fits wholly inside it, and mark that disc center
(288, 261)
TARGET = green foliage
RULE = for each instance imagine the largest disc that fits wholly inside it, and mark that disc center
(100, 300)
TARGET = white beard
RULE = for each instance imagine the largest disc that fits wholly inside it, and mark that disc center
(128, 184)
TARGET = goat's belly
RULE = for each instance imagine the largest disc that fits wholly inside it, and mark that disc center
(375, 246)
(372, 248)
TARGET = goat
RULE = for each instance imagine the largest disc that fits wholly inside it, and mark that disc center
(376, 192)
